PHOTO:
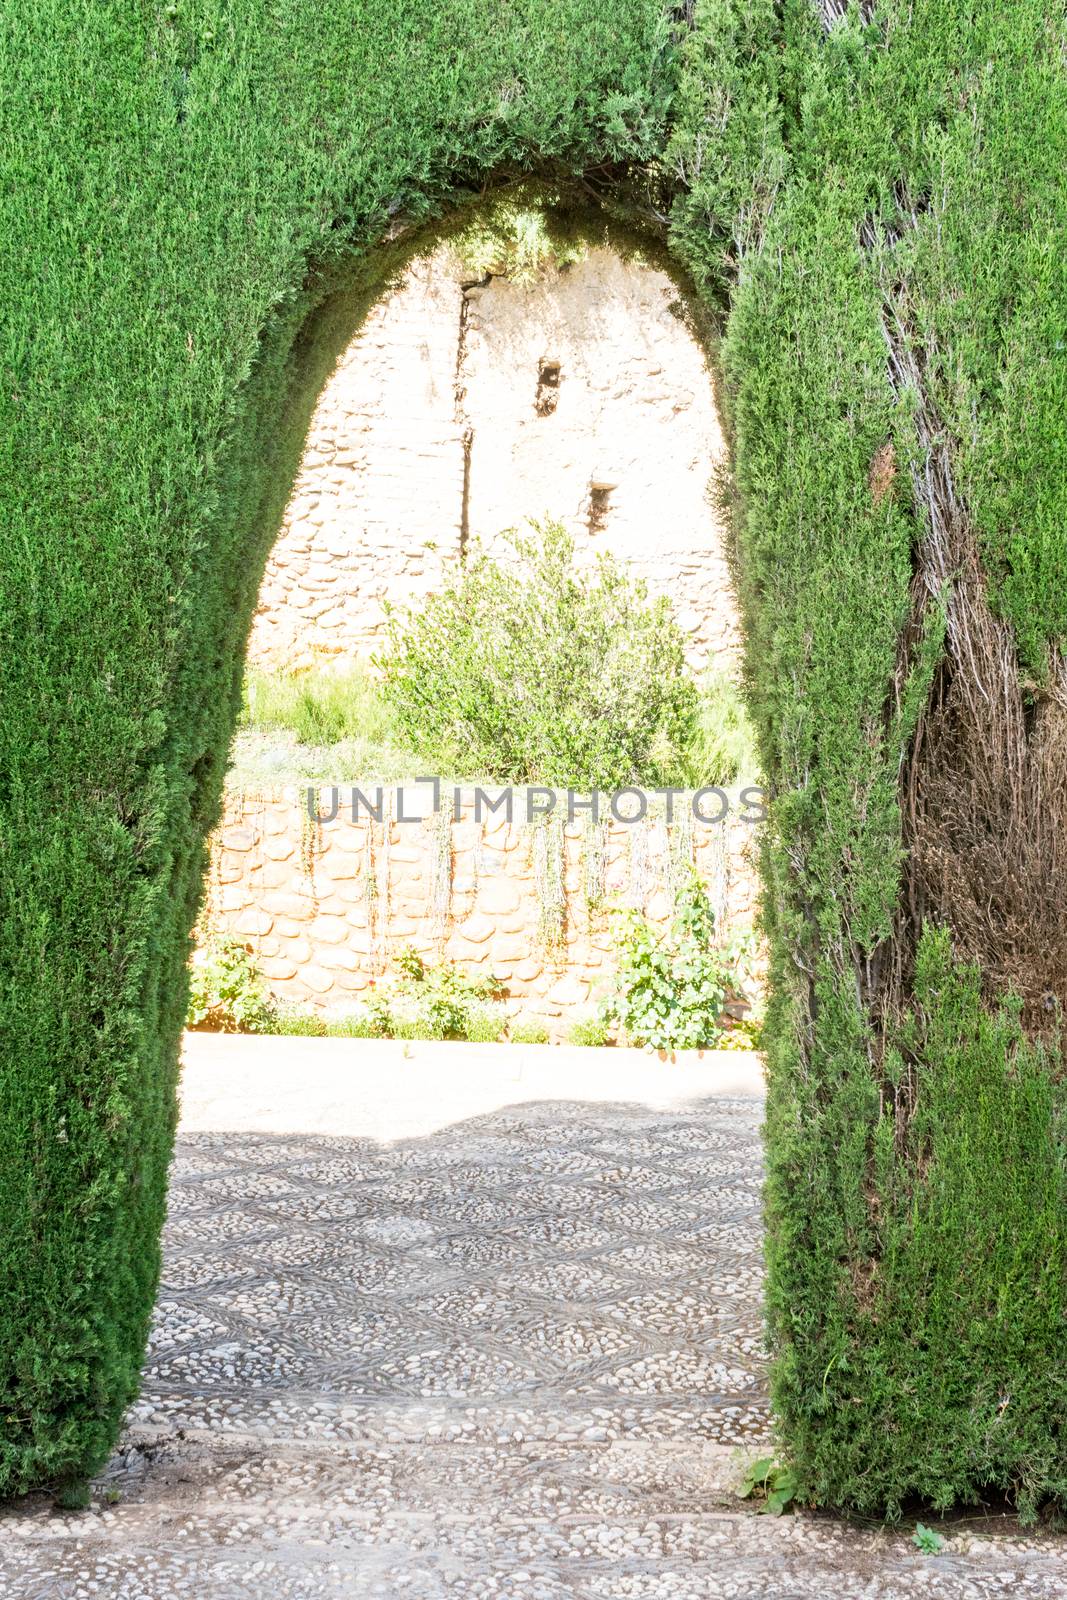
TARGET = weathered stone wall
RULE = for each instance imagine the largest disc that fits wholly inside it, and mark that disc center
(457, 412)
(327, 906)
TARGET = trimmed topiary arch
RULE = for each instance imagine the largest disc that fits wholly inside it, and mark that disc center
(200, 197)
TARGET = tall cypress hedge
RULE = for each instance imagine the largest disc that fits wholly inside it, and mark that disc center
(200, 200)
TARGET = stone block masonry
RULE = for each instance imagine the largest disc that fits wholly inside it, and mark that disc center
(462, 410)
(326, 907)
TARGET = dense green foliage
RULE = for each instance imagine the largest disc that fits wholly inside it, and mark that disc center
(435, 1002)
(337, 725)
(532, 670)
(882, 192)
(512, 236)
(198, 204)
(191, 202)
(227, 993)
(671, 988)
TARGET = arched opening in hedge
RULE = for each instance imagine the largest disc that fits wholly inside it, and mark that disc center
(862, 200)
(429, 441)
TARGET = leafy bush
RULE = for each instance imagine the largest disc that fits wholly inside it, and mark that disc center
(345, 727)
(440, 1002)
(353, 1025)
(485, 1024)
(533, 672)
(422, 1003)
(744, 1034)
(670, 988)
(226, 992)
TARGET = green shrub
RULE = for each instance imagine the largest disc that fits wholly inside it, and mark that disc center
(440, 1002)
(670, 988)
(485, 1024)
(592, 1032)
(415, 1024)
(534, 672)
(336, 725)
(893, 366)
(296, 1022)
(354, 1025)
(527, 1030)
(227, 994)
(743, 1034)
(214, 200)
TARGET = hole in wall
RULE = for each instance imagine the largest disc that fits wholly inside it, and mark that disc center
(547, 398)
(599, 502)
(427, 444)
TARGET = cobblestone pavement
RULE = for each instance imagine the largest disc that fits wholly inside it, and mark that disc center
(519, 1357)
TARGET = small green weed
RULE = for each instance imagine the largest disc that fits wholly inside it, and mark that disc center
(776, 1486)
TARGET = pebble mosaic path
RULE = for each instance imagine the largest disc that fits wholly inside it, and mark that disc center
(517, 1359)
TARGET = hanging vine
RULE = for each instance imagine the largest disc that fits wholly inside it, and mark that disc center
(716, 875)
(439, 827)
(679, 851)
(370, 885)
(594, 862)
(310, 848)
(548, 880)
(380, 924)
(640, 876)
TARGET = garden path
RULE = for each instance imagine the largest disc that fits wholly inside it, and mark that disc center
(513, 1355)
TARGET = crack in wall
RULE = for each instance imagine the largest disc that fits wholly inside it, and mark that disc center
(462, 418)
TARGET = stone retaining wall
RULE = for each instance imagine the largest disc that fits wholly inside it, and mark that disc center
(326, 906)
(460, 410)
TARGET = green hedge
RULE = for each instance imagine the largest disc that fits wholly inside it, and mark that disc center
(200, 202)
(883, 204)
